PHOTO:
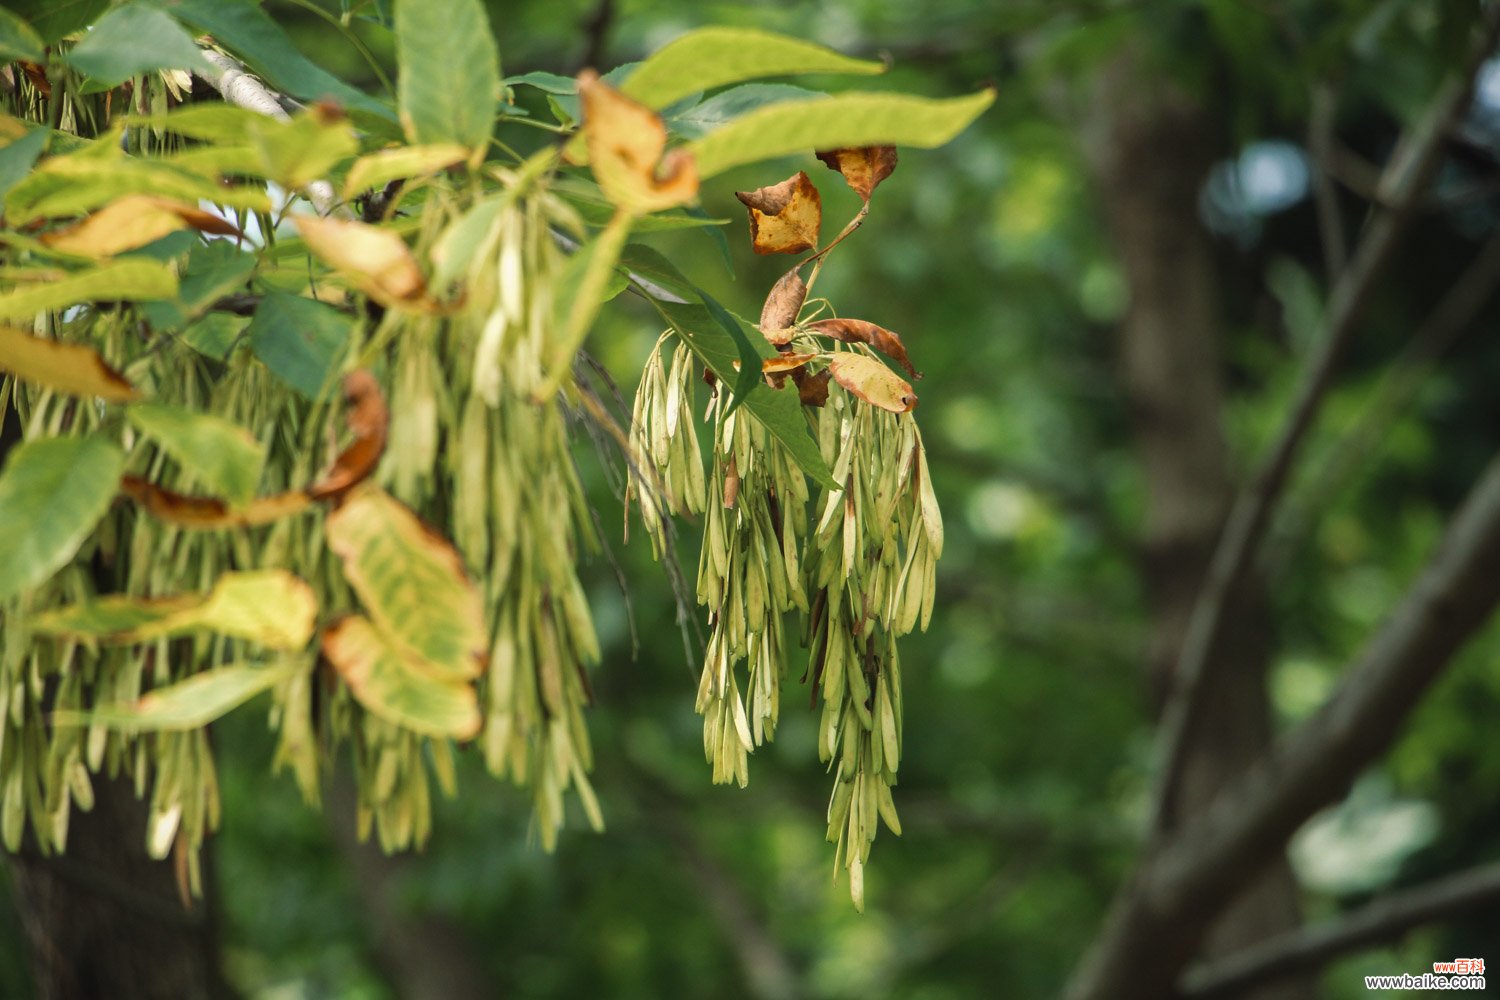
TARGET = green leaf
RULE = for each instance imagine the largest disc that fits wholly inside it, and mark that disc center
(72, 185)
(19, 156)
(270, 607)
(712, 57)
(303, 150)
(779, 410)
(386, 681)
(547, 83)
(19, 40)
(411, 581)
(129, 279)
(449, 86)
(581, 289)
(378, 169)
(748, 376)
(52, 493)
(52, 19)
(702, 118)
(646, 262)
(189, 704)
(300, 340)
(225, 457)
(243, 28)
(214, 334)
(854, 119)
(213, 270)
(211, 121)
(132, 40)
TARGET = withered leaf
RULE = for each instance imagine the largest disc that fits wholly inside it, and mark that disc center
(626, 142)
(209, 513)
(393, 684)
(858, 331)
(863, 167)
(134, 221)
(785, 217)
(783, 304)
(368, 419)
(375, 259)
(72, 368)
(872, 382)
(812, 389)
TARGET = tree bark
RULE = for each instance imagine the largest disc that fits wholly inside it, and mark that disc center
(105, 920)
(1151, 147)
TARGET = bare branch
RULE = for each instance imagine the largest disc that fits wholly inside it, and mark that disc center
(1158, 920)
(1408, 174)
(1450, 319)
(1384, 919)
(239, 88)
(1320, 130)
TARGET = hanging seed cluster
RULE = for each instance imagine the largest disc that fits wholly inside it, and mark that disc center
(858, 566)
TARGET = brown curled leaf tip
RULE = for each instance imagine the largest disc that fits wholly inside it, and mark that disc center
(812, 390)
(783, 303)
(858, 331)
(785, 217)
(368, 419)
(210, 513)
(863, 167)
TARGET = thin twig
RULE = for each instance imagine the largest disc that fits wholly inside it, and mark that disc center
(239, 88)
(1406, 176)
(1451, 318)
(1385, 919)
(1320, 131)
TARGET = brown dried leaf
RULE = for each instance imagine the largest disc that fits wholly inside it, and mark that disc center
(785, 217)
(133, 221)
(858, 331)
(72, 368)
(872, 382)
(812, 390)
(783, 304)
(863, 167)
(626, 141)
(375, 259)
(210, 513)
(367, 418)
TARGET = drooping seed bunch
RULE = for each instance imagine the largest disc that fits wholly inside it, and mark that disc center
(861, 575)
(871, 570)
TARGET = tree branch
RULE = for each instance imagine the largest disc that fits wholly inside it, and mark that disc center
(1407, 175)
(1158, 920)
(1384, 919)
(1452, 317)
(239, 88)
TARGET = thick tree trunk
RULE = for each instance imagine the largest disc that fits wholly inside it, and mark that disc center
(105, 920)
(1151, 147)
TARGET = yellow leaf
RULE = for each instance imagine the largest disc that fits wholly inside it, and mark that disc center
(133, 221)
(785, 217)
(387, 682)
(626, 142)
(72, 368)
(872, 382)
(863, 167)
(375, 259)
(411, 581)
